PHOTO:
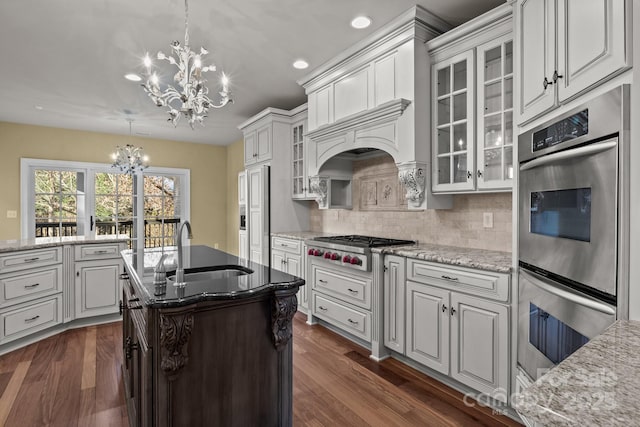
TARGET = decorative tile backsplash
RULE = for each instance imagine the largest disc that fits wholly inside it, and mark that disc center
(460, 226)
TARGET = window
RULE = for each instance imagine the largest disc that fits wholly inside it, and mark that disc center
(91, 200)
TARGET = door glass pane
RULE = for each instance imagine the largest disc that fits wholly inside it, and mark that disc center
(460, 137)
(508, 162)
(460, 75)
(492, 63)
(113, 204)
(161, 209)
(301, 150)
(444, 170)
(444, 81)
(493, 97)
(508, 58)
(460, 107)
(444, 140)
(493, 130)
(508, 93)
(508, 128)
(460, 168)
(444, 111)
(58, 203)
(295, 135)
(493, 164)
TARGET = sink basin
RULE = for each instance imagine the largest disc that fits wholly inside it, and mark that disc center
(207, 276)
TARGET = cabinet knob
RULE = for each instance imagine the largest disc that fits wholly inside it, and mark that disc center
(444, 308)
(469, 174)
(546, 83)
(556, 76)
(479, 173)
(453, 311)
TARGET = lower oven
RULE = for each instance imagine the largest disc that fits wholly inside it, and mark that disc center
(554, 321)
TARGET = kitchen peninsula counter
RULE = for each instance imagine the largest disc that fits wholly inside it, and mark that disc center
(212, 352)
(597, 385)
(481, 259)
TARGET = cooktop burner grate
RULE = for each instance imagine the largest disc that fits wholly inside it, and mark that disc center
(363, 241)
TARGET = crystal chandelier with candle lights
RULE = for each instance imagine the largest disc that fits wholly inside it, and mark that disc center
(129, 159)
(190, 98)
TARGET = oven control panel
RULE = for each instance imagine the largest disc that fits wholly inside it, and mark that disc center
(343, 258)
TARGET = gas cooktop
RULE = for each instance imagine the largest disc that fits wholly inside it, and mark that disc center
(363, 241)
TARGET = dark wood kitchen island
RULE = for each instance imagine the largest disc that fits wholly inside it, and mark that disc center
(216, 352)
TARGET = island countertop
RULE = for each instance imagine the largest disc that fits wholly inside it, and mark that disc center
(140, 263)
(596, 385)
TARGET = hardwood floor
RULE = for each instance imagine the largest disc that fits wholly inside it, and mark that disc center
(74, 379)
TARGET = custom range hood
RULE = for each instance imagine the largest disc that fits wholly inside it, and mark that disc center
(376, 95)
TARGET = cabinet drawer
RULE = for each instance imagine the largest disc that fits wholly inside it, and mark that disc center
(353, 289)
(103, 251)
(27, 319)
(475, 282)
(287, 245)
(354, 321)
(23, 260)
(29, 285)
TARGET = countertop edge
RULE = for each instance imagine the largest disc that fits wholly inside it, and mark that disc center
(28, 244)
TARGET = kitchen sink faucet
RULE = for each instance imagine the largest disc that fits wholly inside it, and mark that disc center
(180, 269)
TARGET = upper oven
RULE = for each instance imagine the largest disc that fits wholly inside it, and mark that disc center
(568, 192)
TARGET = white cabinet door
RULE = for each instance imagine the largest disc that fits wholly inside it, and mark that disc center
(536, 37)
(479, 345)
(292, 264)
(243, 244)
(428, 326)
(258, 214)
(591, 43)
(495, 114)
(453, 119)
(242, 188)
(97, 287)
(250, 153)
(277, 260)
(394, 307)
(298, 162)
(263, 143)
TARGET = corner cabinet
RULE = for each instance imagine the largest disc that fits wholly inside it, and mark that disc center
(568, 47)
(472, 111)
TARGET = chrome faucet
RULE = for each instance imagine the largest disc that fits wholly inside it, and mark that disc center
(180, 269)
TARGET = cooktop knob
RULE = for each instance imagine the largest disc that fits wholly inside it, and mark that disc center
(346, 259)
(311, 252)
(335, 257)
(327, 255)
(356, 261)
(316, 252)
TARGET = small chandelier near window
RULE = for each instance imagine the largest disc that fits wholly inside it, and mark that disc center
(129, 159)
(190, 98)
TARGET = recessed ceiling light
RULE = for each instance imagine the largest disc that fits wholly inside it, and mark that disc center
(39, 107)
(360, 22)
(300, 64)
(133, 77)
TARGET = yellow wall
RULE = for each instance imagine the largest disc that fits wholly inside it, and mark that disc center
(207, 163)
(235, 164)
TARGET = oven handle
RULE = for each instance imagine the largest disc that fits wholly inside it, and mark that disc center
(574, 152)
(541, 282)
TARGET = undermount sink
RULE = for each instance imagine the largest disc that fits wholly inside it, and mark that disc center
(207, 276)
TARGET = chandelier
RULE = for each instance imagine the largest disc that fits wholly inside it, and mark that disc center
(129, 159)
(190, 98)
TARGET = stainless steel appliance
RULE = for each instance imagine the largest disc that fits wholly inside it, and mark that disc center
(570, 234)
(351, 251)
(243, 217)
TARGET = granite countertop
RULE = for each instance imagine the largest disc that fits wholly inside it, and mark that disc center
(47, 242)
(596, 385)
(140, 263)
(481, 259)
(302, 235)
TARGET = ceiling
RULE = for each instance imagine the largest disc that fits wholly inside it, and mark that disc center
(69, 57)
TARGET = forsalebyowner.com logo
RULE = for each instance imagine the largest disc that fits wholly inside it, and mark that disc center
(571, 390)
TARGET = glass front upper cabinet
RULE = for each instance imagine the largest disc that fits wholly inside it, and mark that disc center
(298, 171)
(453, 153)
(495, 114)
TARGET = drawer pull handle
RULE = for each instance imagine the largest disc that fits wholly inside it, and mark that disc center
(455, 279)
(32, 259)
(102, 251)
(353, 322)
(353, 291)
(36, 317)
(124, 276)
(322, 281)
(284, 245)
(31, 286)
(322, 308)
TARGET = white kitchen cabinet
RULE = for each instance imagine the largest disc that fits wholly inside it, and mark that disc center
(394, 302)
(299, 174)
(243, 244)
(258, 214)
(567, 47)
(242, 188)
(494, 138)
(286, 255)
(472, 105)
(258, 145)
(97, 287)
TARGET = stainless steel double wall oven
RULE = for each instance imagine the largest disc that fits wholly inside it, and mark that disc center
(569, 229)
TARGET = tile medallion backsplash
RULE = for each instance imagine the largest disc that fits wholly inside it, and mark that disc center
(379, 209)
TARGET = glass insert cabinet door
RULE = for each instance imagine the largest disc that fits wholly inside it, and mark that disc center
(453, 151)
(495, 114)
(299, 187)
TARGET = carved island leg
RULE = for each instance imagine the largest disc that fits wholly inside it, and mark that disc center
(285, 305)
(175, 331)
